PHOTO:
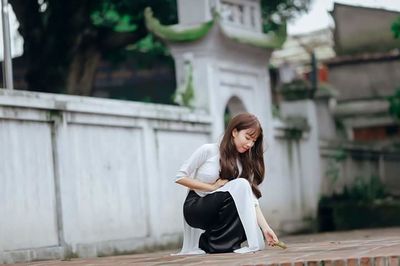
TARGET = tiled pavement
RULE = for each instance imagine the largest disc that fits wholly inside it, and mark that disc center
(378, 247)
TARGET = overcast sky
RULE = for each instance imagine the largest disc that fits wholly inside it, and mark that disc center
(318, 17)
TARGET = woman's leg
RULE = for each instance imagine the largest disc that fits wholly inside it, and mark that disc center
(201, 212)
(227, 233)
(215, 213)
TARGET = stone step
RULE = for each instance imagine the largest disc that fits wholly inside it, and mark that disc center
(380, 247)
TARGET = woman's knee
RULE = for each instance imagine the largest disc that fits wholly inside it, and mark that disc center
(241, 182)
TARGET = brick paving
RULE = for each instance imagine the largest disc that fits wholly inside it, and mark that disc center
(377, 247)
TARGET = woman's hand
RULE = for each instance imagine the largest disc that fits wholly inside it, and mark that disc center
(270, 236)
(198, 185)
(219, 183)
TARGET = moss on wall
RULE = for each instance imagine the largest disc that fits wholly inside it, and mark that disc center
(273, 40)
(169, 33)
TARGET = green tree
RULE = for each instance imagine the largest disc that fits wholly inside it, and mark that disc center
(396, 28)
(276, 12)
(65, 40)
(394, 100)
(394, 104)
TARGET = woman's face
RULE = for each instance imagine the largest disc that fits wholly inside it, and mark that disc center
(243, 140)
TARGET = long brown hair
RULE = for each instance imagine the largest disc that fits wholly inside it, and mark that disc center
(252, 161)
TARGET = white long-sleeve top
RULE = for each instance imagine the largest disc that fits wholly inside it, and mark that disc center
(204, 166)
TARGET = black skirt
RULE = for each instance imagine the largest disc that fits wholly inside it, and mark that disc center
(215, 213)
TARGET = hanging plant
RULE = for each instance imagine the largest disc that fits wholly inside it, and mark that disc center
(298, 89)
(184, 94)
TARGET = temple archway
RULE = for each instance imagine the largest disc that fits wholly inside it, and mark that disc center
(233, 107)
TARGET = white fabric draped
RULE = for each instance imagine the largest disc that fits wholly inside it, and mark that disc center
(243, 196)
(203, 165)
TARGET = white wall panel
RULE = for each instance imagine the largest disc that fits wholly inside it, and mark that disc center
(27, 193)
(173, 148)
(104, 197)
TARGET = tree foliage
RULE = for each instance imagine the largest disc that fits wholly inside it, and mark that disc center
(396, 28)
(276, 12)
(394, 100)
(394, 104)
(65, 40)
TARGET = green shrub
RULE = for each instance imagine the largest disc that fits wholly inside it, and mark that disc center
(394, 104)
(365, 204)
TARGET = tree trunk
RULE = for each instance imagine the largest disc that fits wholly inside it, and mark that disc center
(82, 71)
(62, 47)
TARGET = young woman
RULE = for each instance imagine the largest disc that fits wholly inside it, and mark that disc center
(221, 210)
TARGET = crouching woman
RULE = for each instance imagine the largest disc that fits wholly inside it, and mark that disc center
(221, 210)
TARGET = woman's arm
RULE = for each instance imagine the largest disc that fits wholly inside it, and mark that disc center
(198, 185)
(269, 234)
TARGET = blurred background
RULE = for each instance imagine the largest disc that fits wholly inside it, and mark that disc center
(109, 97)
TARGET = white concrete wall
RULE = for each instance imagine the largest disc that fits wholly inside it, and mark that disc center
(27, 184)
(90, 176)
(292, 184)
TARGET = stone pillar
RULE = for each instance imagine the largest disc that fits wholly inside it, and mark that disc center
(309, 152)
(326, 122)
(224, 67)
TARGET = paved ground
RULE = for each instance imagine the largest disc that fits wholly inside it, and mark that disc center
(379, 247)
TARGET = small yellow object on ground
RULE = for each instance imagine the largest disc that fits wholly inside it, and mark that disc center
(281, 245)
